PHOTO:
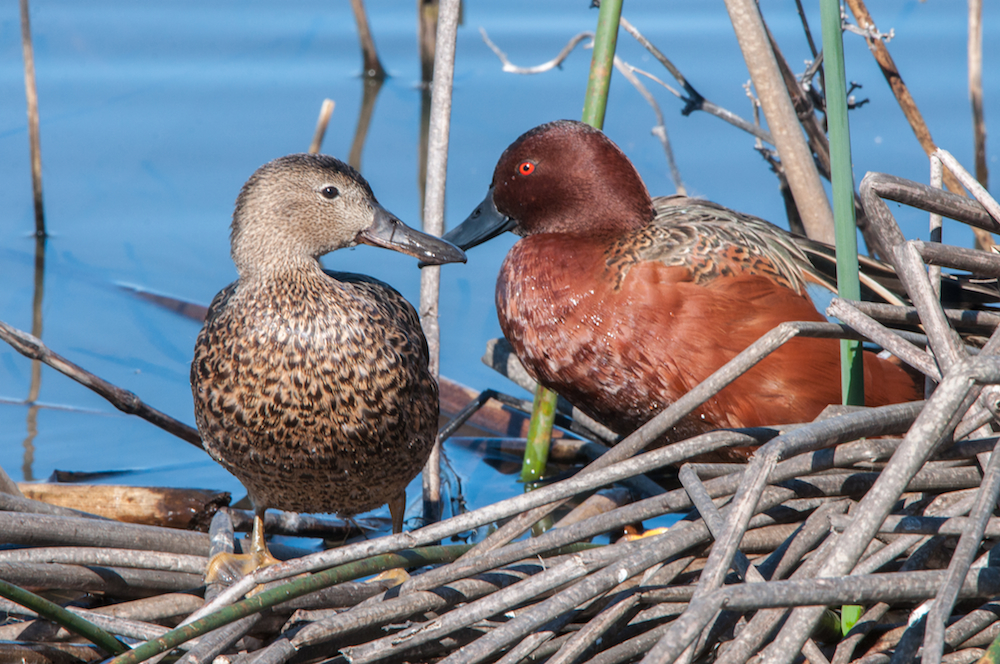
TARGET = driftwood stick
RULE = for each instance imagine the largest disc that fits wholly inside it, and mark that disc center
(44, 530)
(156, 506)
(115, 581)
(949, 401)
(958, 568)
(107, 557)
(980, 263)
(125, 401)
(929, 199)
(977, 190)
(986, 321)
(883, 336)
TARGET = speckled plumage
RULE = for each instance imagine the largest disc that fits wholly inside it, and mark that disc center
(316, 393)
(313, 387)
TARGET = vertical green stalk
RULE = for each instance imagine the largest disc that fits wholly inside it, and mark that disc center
(543, 410)
(536, 452)
(602, 63)
(852, 373)
(848, 286)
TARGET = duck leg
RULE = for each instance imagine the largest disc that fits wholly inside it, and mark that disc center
(225, 566)
(397, 509)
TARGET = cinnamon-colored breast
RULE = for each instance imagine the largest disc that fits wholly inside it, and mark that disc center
(622, 337)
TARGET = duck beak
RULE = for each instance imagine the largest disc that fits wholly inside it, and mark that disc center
(389, 232)
(485, 223)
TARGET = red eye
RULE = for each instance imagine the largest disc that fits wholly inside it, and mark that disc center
(526, 168)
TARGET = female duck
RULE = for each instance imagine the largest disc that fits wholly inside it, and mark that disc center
(622, 303)
(312, 387)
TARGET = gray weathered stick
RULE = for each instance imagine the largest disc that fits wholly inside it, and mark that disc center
(803, 178)
(437, 170)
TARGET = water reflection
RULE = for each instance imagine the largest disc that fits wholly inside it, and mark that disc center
(36, 365)
(370, 88)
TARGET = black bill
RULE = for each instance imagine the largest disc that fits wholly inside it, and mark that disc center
(389, 232)
(485, 223)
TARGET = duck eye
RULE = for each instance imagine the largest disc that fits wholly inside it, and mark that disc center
(329, 192)
(526, 168)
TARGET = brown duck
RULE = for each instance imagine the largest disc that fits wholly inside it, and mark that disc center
(310, 386)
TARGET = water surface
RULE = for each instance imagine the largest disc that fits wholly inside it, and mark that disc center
(153, 114)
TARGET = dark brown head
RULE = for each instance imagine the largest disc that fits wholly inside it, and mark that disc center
(560, 177)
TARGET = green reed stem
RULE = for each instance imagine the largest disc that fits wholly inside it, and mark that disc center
(62, 617)
(602, 63)
(848, 285)
(410, 558)
(536, 451)
(594, 104)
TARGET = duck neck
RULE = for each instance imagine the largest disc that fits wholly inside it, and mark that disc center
(256, 256)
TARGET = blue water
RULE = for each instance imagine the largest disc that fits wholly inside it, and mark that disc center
(153, 114)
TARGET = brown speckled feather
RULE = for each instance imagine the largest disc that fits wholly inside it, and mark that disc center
(314, 391)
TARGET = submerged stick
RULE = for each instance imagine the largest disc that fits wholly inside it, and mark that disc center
(125, 401)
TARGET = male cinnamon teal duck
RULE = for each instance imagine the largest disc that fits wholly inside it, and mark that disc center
(622, 303)
(312, 387)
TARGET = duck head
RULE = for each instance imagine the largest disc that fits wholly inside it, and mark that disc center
(299, 207)
(560, 177)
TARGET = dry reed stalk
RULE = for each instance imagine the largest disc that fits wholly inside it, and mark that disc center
(325, 113)
(906, 101)
(34, 136)
(796, 158)
(372, 65)
(976, 89)
(433, 215)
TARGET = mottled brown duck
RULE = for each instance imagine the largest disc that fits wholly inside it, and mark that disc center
(312, 387)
